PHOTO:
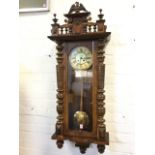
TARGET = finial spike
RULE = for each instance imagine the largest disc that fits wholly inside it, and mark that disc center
(100, 11)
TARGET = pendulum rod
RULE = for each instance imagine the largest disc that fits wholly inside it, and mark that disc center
(81, 99)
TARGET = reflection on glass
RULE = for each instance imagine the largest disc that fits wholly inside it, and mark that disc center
(80, 99)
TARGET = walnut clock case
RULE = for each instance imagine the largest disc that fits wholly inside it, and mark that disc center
(80, 79)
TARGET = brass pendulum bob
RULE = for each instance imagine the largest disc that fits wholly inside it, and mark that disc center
(81, 117)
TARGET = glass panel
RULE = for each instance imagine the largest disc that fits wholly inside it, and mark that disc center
(80, 98)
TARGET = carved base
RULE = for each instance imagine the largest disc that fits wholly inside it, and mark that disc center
(101, 148)
(82, 143)
(82, 147)
(60, 143)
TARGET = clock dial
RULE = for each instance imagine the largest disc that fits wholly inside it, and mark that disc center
(80, 58)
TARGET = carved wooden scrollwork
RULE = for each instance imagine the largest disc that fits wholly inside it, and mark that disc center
(60, 94)
(100, 91)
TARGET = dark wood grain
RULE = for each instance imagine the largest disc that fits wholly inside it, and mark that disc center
(78, 30)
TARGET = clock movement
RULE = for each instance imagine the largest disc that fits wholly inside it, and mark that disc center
(80, 79)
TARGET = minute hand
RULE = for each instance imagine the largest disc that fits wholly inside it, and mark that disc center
(86, 58)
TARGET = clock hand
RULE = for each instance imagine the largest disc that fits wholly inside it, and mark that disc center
(80, 60)
(87, 57)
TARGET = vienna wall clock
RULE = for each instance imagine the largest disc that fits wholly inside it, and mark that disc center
(80, 79)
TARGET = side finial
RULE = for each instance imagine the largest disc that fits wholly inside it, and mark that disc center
(101, 14)
(55, 19)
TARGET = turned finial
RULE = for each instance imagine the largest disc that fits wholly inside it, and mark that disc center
(101, 14)
(55, 19)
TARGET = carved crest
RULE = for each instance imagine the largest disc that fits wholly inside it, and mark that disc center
(76, 8)
(78, 24)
